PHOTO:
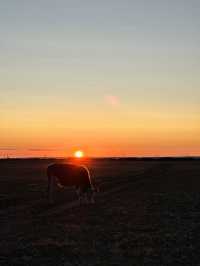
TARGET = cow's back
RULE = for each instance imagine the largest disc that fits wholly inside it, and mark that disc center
(69, 174)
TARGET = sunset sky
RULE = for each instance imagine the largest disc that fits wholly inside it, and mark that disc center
(112, 78)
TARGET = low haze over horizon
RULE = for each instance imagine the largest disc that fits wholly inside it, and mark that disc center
(112, 78)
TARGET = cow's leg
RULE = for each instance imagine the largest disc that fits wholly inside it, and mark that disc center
(51, 187)
(80, 195)
(90, 197)
(92, 200)
(48, 185)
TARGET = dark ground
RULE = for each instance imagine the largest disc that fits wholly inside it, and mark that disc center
(147, 213)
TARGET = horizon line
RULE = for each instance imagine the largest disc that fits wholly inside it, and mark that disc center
(104, 157)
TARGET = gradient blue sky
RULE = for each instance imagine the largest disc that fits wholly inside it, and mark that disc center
(62, 63)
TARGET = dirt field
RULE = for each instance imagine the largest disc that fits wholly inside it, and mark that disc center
(147, 213)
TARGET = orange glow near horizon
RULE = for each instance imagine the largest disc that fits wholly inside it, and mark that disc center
(109, 133)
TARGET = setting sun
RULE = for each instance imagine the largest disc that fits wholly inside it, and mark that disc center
(78, 154)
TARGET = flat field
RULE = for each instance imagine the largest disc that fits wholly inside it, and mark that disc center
(146, 213)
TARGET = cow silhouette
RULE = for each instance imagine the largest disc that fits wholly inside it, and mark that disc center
(70, 175)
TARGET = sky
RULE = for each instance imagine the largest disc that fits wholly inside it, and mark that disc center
(112, 78)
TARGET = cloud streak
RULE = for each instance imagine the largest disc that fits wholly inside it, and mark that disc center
(8, 149)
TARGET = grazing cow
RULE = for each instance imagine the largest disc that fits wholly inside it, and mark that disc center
(67, 175)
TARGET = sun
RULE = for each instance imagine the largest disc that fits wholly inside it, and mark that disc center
(78, 154)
